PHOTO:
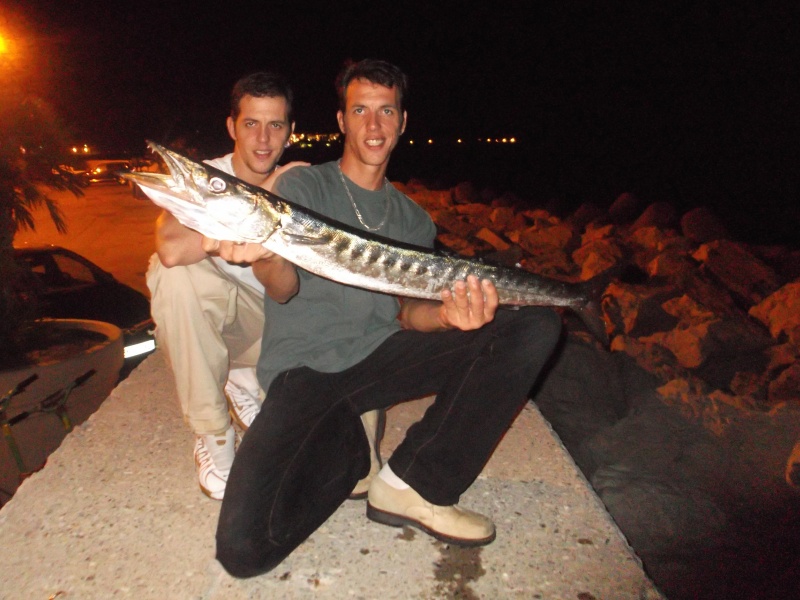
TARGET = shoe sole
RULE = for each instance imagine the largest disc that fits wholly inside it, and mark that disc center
(395, 520)
(209, 494)
(234, 415)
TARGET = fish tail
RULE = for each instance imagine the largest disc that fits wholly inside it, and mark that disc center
(589, 310)
(592, 317)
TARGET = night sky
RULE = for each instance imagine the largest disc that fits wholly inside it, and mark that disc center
(683, 100)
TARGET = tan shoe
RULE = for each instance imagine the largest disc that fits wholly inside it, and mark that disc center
(449, 524)
(374, 424)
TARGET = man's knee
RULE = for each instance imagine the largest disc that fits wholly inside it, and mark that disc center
(242, 557)
(549, 323)
(540, 325)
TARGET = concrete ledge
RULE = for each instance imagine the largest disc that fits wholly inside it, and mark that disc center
(117, 513)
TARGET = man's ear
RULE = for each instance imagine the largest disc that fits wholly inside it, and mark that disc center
(288, 141)
(231, 128)
(405, 122)
(340, 119)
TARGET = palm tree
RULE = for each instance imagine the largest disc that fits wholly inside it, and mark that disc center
(32, 146)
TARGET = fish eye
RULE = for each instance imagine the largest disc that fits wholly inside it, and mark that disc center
(216, 184)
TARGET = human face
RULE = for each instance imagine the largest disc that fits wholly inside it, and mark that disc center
(372, 123)
(260, 132)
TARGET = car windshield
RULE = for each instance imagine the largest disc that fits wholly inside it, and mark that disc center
(56, 271)
(73, 269)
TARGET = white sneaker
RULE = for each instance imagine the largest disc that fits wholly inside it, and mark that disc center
(213, 457)
(243, 405)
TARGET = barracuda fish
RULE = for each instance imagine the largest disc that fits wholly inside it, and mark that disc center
(225, 208)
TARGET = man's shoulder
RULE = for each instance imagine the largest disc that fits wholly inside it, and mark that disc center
(305, 176)
(223, 163)
(409, 203)
(309, 172)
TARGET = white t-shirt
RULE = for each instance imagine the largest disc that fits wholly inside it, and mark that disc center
(242, 273)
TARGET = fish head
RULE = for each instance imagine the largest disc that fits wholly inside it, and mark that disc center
(208, 200)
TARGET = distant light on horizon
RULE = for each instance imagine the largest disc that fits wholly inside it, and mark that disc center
(309, 140)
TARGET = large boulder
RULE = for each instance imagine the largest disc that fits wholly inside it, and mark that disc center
(659, 214)
(737, 270)
(625, 209)
(597, 256)
(466, 193)
(780, 312)
(701, 225)
(582, 393)
(636, 309)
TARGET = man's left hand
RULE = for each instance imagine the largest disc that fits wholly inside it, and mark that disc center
(470, 305)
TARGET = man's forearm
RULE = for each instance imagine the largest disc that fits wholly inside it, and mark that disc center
(177, 244)
(278, 276)
(421, 315)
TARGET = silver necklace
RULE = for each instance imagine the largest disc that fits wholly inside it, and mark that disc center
(353, 202)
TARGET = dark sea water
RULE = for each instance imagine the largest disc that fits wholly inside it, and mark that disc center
(757, 203)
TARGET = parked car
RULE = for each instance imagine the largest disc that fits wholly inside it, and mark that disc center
(105, 171)
(68, 286)
(97, 170)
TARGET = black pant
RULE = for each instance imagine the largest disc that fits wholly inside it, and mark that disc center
(306, 449)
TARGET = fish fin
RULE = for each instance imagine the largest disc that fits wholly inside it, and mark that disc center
(304, 239)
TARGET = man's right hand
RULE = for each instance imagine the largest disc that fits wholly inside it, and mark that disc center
(234, 252)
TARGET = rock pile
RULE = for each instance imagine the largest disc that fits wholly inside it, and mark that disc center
(689, 428)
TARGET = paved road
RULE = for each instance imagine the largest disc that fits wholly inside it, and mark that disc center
(107, 225)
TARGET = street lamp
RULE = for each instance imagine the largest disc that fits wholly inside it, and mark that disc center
(9, 59)
(18, 42)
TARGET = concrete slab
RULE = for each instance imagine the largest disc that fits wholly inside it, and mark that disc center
(117, 512)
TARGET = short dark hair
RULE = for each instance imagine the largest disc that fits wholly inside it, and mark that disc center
(375, 71)
(259, 85)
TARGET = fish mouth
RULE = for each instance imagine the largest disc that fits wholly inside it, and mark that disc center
(174, 184)
(188, 191)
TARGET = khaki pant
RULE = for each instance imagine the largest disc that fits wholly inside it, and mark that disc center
(208, 323)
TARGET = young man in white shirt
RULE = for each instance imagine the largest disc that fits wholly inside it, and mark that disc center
(208, 311)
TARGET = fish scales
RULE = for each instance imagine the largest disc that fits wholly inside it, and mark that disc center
(404, 271)
(223, 207)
